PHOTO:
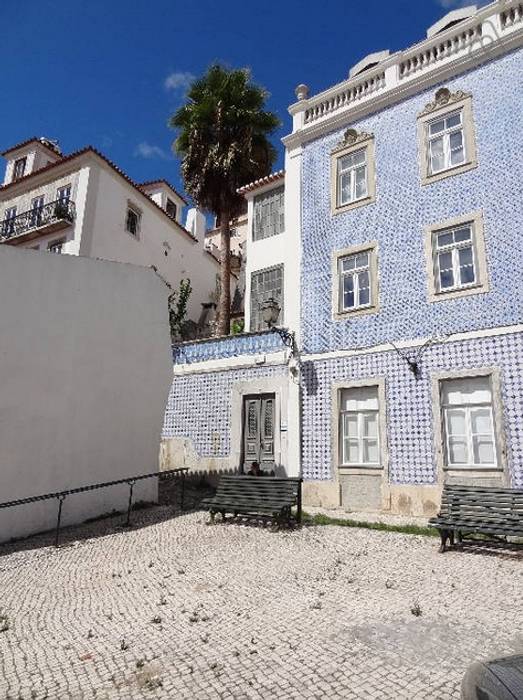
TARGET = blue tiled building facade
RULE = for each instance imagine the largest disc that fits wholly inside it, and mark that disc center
(403, 201)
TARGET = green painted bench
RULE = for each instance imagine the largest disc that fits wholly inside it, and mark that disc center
(481, 510)
(251, 496)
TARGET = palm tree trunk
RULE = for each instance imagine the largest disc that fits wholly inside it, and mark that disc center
(223, 327)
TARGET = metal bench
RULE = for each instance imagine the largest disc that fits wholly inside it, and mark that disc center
(266, 496)
(475, 509)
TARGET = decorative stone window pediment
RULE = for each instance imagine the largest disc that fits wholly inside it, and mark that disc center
(353, 176)
(442, 98)
(446, 139)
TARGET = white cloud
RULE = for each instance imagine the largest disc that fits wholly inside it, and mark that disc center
(146, 150)
(179, 80)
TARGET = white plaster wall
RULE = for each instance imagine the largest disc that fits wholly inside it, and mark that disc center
(85, 370)
(185, 258)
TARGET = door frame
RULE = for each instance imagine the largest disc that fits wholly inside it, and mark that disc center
(266, 385)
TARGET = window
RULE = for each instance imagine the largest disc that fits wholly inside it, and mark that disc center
(63, 194)
(170, 208)
(37, 205)
(56, 246)
(132, 222)
(468, 422)
(264, 285)
(456, 254)
(268, 217)
(8, 224)
(353, 172)
(355, 284)
(446, 136)
(446, 143)
(352, 177)
(19, 168)
(359, 427)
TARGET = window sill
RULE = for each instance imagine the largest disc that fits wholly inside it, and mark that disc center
(472, 469)
(480, 288)
(456, 170)
(375, 469)
(363, 311)
(353, 205)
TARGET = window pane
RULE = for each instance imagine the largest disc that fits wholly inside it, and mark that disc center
(437, 155)
(348, 291)
(456, 421)
(453, 120)
(457, 154)
(466, 266)
(350, 425)
(348, 263)
(361, 260)
(483, 450)
(445, 239)
(361, 182)
(436, 127)
(466, 391)
(462, 234)
(345, 193)
(370, 424)
(363, 398)
(481, 421)
(370, 452)
(351, 452)
(364, 291)
(446, 275)
(457, 451)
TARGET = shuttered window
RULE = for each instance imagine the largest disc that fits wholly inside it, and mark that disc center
(268, 217)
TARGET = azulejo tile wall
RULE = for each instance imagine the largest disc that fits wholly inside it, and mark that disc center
(410, 433)
(229, 346)
(403, 208)
(199, 407)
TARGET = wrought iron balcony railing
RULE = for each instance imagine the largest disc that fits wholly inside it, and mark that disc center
(59, 211)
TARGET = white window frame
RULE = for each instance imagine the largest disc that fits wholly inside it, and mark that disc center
(337, 433)
(361, 438)
(458, 102)
(453, 250)
(474, 220)
(138, 213)
(8, 221)
(63, 194)
(351, 171)
(500, 471)
(16, 164)
(52, 245)
(37, 204)
(445, 135)
(361, 142)
(339, 311)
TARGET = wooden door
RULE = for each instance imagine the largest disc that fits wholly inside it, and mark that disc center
(258, 431)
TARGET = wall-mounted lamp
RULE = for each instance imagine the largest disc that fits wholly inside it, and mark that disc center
(270, 310)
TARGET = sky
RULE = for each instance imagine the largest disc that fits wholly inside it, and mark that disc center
(109, 73)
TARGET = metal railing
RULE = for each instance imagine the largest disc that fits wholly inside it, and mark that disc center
(53, 212)
(130, 481)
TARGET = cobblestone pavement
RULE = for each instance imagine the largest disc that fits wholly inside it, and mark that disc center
(174, 608)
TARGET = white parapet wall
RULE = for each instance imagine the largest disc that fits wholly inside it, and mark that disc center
(85, 370)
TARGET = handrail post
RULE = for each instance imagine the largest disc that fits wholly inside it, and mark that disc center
(131, 487)
(61, 500)
(298, 510)
(183, 491)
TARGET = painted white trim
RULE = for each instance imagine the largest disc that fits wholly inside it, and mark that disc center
(502, 44)
(414, 343)
(229, 363)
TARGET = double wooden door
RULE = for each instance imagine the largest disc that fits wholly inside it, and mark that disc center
(258, 431)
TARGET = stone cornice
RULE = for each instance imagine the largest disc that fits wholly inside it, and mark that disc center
(488, 34)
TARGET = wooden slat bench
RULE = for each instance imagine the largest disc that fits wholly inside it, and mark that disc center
(478, 509)
(266, 496)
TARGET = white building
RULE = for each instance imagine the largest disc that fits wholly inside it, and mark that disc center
(83, 204)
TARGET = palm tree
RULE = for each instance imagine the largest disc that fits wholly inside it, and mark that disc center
(223, 142)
